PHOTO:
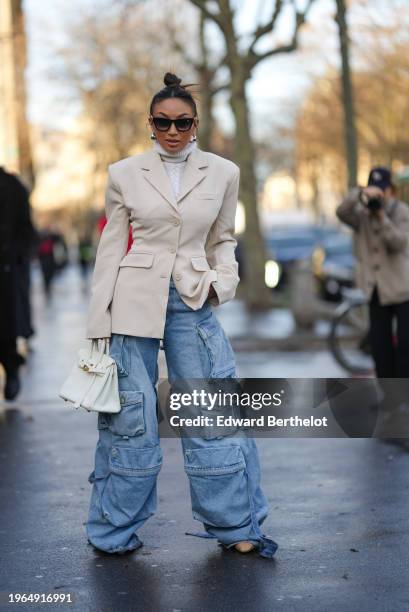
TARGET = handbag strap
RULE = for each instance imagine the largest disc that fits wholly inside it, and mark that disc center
(95, 345)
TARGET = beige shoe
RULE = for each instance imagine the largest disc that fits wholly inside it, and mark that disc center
(244, 547)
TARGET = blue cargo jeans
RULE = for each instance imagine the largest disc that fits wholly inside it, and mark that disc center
(223, 471)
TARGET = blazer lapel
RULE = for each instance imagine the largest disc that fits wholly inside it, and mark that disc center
(193, 173)
(155, 173)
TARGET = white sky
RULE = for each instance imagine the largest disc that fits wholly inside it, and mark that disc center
(277, 84)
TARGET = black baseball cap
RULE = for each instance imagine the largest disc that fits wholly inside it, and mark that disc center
(380, 177)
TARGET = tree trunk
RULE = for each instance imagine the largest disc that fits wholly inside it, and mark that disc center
(348, 97)
(206, 117)
(257, 295)
(23, 132)
(206, 97)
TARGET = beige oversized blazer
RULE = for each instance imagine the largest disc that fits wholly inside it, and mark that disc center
(190, 239)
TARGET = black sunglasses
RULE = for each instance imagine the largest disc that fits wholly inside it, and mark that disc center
(163, 124)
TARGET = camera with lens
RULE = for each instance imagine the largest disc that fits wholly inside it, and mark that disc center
(373, 204)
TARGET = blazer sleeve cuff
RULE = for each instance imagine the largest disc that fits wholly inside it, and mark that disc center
(99, 326)
(225, 285)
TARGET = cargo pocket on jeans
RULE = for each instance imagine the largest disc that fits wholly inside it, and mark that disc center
(218, 485)
(130, 421)
(129, 494)
(217, 348)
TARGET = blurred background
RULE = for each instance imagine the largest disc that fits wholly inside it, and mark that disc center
(305, 96)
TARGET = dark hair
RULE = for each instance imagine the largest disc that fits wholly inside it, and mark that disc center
(174, 89)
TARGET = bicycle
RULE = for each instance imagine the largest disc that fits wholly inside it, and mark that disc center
(348, 338)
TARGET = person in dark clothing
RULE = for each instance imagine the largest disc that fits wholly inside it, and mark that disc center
(52, 253)
(85, 255)
(25, 327)
(16, 232)
(45, 253)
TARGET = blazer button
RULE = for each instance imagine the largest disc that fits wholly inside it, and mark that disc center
(178, 276)
(172, 250)
(176, 222)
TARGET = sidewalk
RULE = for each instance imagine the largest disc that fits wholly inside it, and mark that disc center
(338, 509)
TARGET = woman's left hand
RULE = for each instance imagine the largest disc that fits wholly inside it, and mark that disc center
(212, 292)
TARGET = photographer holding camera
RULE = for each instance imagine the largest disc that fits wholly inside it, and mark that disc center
(381, 240)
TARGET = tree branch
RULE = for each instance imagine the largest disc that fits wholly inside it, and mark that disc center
(218, 88)
(300, 18)
(202, 64)
(201, 4)
(268, 27)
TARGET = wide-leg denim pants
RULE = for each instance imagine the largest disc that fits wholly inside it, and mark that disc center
(223, 472)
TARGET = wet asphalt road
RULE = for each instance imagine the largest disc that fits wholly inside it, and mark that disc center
(338, 509)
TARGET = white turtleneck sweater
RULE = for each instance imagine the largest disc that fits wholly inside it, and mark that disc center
(175, 163)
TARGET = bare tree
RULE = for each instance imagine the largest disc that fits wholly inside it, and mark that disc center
(207, 74)
(382, 121)
(241, 63)
(112, 73)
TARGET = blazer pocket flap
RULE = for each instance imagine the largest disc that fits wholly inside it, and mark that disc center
(200, 263)
(137, 260)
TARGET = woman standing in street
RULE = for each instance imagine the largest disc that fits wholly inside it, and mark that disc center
(181, 204)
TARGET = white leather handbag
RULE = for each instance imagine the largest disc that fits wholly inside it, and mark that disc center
(93, 381)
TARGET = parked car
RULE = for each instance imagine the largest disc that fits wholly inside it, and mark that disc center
(334, 265)
(286, 245)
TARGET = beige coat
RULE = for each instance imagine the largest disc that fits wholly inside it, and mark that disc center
(381, 248)
(190, 239)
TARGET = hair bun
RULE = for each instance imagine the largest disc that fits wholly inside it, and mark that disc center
(171, 80)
